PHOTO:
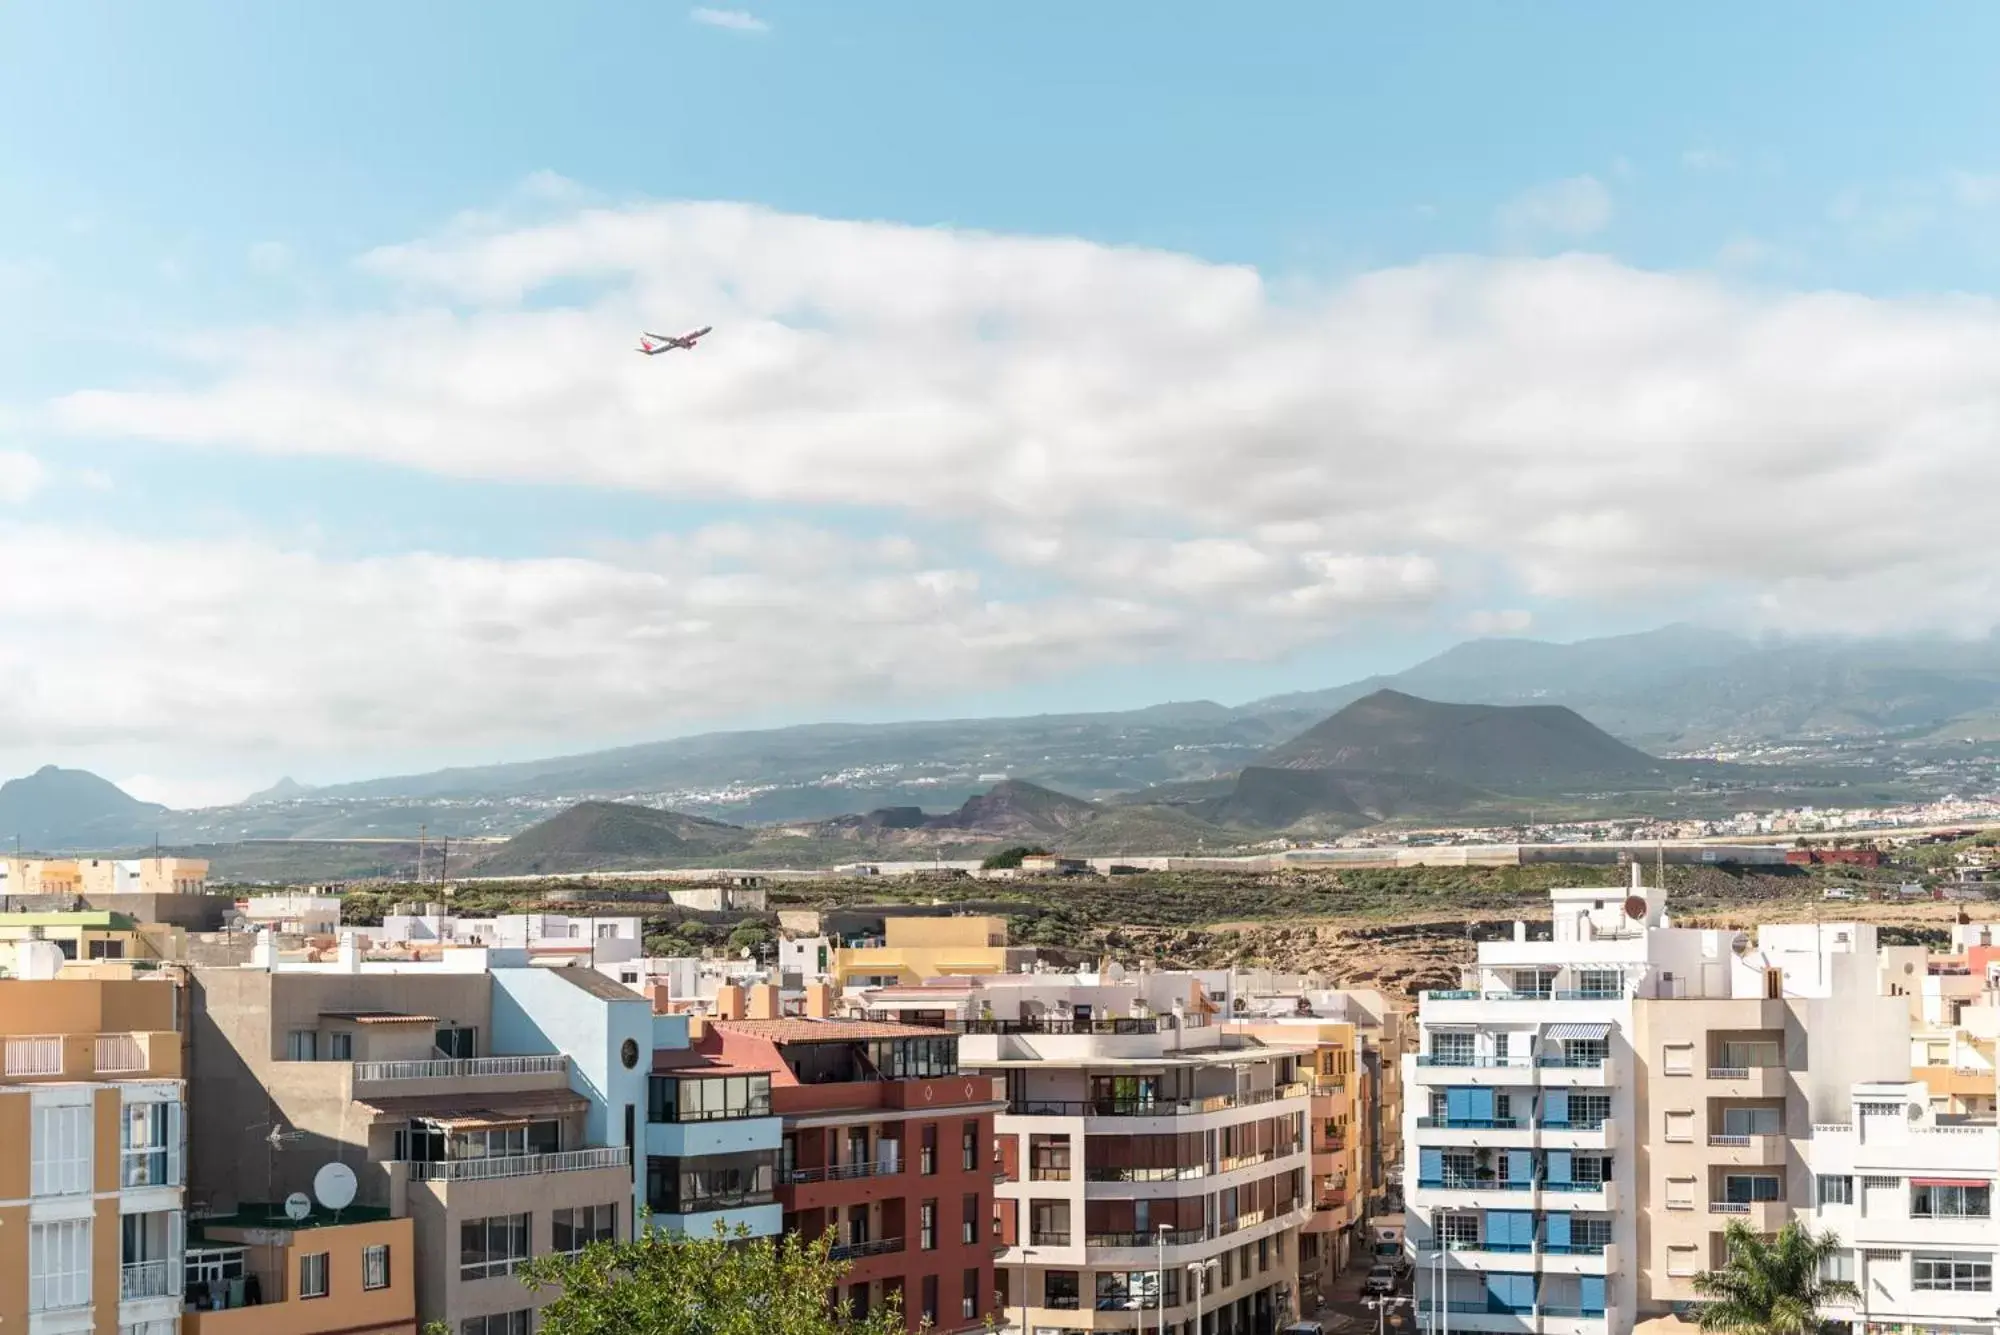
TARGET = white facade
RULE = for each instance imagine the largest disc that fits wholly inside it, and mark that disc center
(1911, 1197)
(547, 936)
(294, 914)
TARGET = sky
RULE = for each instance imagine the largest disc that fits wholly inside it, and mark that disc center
(1065, 357)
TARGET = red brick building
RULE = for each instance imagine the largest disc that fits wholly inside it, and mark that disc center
(888, 1147)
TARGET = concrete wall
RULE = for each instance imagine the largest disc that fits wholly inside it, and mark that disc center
(347, 1307)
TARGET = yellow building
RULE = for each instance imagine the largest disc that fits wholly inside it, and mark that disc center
(103, 876)
(312, 1276)
(1338, 1188)
(915, 949)
(91, 1099)
(90, 936)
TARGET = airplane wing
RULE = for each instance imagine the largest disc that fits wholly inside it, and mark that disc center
(658, 338)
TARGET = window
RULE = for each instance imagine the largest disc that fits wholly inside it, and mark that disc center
(1753, 1121)
(58, 1265)
(968, 1306)
(312, 1275)
(1451, 1048)
(302, 1045)
(1600, 984)
(1228, 1268)
(711, 1182)
(927, 1226)
(1951, 1272)
(927, 1159)
(1133, 1290)
(1940, 1199)
(102, 949)
(1048, 1158)
(1838, 1265)
(1589, 1112)
(500, 1323)
(914, 1058)
(1680, 1126)
(1835, 1189)
(458, 1042)
(1060, 1290)
(1683, 1262)
(1680, 1193)
(63, 1140)
(1748, 1054)
(497, 1245)
(930, 1289)
(340, 1047)
(968, 1146)
(375, 1267)
(150, 1145)
(969, 1220)
(1678, 1059)
(710, 1099)
(1743, 1188)
(578, 1228)
(1458, 1229)
(1263, 1255)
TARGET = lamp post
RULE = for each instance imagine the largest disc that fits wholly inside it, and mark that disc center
(1160, 1286)
(1025, 1254)
(1198, 1281)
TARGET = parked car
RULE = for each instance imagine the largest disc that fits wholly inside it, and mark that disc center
(1381, 1281)
(1304, 1328)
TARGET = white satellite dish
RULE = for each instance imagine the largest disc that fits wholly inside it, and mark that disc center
(333, 1186)
(297, 1206)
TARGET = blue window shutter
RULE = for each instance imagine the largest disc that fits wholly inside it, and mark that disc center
(1520, 1165)
(1510, 1226)
(1590, 1292)
(1481, 1104)
(1555, 1106)
(1556, 1230)
(1559, 1170)
(1430, 1165)
(1458, 1103)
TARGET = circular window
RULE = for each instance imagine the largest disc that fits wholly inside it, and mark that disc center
(629, 1054)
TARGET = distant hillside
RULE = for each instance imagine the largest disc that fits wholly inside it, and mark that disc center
(70, 808)
(610, 836)
(283, 789)
(1016, 807)
(1270, 798)
(1500, 748)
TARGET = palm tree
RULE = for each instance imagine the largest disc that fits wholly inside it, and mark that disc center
(1772, 1286)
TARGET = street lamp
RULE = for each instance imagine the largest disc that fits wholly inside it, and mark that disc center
(1382, 1306)
(1160, 1285)
(1025, 1254)
(1198, 1281)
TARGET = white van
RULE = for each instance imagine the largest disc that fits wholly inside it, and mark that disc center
(1304, 1328)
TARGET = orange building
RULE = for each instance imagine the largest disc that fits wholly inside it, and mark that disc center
(91, 1162)
(258, 1272)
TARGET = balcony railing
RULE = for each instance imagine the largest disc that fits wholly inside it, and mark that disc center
(1174, 1237)
(1472, 1123)
(457, 1068)
(119, 1053)
(1455, 1061)
(518, 1165)
(1169, 1174)
(1151, 1107)
(1049, 1238)
(147, 1279)
(841, 1172)
(34, 1056)
(1475, 1184)
(853, 1251)
(1101, 1024)
(1568, 1063)
(1044, 1173)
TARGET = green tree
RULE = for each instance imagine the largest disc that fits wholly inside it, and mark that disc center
(1011, 857)
(1772, 1286)
(664, 1284)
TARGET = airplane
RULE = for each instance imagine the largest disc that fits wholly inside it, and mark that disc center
(655, 344)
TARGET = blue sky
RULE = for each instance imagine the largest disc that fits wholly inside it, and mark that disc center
(190, 191)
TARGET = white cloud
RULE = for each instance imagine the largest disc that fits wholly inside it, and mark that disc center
(1706, 160)
(736, 20)
(1570, 209)
(21, 476)
(1134, 453)
(270, 258)
(1499, 622)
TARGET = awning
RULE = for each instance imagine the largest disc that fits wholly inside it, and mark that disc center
(1600, 1030)
(499, 1109)
(1950, 1182)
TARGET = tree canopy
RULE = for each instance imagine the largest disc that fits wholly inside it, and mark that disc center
(1772, 1286)
(665, 1284)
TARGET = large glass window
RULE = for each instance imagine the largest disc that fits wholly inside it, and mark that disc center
(1951, 1272)
(497, 1245)
(1451, 1048)
(708, 1099)
(518, 1322)
(712, 1182)
(1742, 1189)
(1836, 1189)
(375, 1267)
(1950, 1200)
(1061, 1291)
(578, 1228)
(1132, 1290)
(150, 1145)
(313, 1275)
(914, 1058)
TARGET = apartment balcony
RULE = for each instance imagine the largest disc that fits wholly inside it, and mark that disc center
(1475, 1194)
(1748, 1151)
(519, 1165)
(1475, 1132)
(455, 1075)
(1475, 1314)
(1592, 1197)
(841, 1172)
(1761, 1216)
(1567, 1073)
(1497, 1071)
(1161, 1108)
(1560, 1320)
(1577, 1258)
(1600, 1135)
(148, 1279)
(1747, 1082)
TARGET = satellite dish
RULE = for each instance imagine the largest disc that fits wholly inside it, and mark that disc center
(297, 1206)
(1635, 907)
(333, 1184)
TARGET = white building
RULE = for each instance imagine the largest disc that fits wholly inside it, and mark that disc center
(1910, 1193)
(547, 937)
(293, 914)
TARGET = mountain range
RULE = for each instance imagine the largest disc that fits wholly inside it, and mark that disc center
(1680, 688)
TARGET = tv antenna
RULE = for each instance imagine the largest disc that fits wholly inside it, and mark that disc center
(277, 1137)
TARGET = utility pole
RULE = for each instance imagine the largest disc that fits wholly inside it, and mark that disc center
(444, 859)
(423, 849)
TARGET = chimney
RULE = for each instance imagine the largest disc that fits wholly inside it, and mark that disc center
(660, 992)
(264, 954)
(764, 1002)
(819, 1001)
(1520, 931)
(349, 955)
(728, 1002)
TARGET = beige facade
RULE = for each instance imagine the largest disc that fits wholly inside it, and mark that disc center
(314, 1276)
(90, 1155)
(352, 1066)
(916, 949)
(103, 876)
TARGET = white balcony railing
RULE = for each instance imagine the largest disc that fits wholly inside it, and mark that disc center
(34, 1056)
(146, 1279)
(457, 1068)
(120, 1053)
(518, 1165)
